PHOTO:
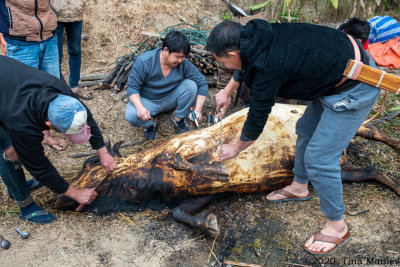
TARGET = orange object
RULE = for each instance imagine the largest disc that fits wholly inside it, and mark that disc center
(386, 54)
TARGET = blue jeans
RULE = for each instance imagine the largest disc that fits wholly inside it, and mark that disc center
(182, 98)
(13, 178)
(42, 56)
(74, 33)
(324, 131)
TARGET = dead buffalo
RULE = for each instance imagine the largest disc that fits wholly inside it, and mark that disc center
(186, 167)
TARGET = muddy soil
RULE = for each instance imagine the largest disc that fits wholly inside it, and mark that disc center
(253, 231)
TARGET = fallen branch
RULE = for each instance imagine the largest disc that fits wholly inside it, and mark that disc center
(241, 264)
(391, 116)
(184, 242)
(212, 249)
(126, 218)
(296, 264)
(380, 110)
(212, 252)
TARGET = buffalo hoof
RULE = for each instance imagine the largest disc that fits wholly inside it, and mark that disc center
(211, 226)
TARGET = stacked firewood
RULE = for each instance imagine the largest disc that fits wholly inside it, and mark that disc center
(117, 78)
(203, 60)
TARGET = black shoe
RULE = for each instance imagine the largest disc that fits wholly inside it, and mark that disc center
(151, 132)
(181, 126)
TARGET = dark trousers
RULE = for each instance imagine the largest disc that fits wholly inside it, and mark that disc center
(74, 32)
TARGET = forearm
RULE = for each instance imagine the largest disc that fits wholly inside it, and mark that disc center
(231, 86)
(200, 100)
(135, 100)
(102, 151)
(242, 145)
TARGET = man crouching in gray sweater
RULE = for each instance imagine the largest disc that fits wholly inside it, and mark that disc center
(164, 79)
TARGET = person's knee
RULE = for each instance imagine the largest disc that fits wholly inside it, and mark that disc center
(190, 87)
(131, 117)
(74, 50)
(11, 154)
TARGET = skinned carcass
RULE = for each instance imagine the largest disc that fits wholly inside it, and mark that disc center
(187, 166)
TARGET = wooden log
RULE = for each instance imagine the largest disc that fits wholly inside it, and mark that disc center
(93, 76)
(91, 83)
(153, 34)
(201, 52)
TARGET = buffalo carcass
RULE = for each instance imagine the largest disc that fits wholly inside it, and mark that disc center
(187, 166)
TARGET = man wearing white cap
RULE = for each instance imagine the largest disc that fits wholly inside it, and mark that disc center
(32, 101)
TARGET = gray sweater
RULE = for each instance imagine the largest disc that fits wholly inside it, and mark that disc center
(147, 80)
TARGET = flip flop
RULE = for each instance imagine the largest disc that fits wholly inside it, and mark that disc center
(289, 197)
(57, 143)
(337, 241)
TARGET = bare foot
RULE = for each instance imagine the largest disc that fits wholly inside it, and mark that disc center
(331, 228)
(300, 190)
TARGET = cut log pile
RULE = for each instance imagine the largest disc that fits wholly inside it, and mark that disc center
(203, 60)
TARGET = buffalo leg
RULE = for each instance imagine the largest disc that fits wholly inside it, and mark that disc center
(184, 213)
(374, 135)
(352, 174)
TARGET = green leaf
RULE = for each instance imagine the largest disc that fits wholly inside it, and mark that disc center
(394, 109)
(335, 3)
(378, 2)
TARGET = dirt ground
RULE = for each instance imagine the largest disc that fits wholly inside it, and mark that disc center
(253, 231)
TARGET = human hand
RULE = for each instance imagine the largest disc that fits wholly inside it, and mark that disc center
(143, 114)
(222, 100)
(106, 160)
(228, 151)
(199, 115)
(83, 196)
(3, 44)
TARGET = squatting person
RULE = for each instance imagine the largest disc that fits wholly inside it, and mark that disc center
(164, 79)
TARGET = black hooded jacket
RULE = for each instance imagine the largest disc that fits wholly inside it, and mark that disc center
(291, 60)
(25, 94)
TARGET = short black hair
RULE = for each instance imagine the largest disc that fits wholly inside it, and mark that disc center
(175, 41)
(225, 37)
(356, 27)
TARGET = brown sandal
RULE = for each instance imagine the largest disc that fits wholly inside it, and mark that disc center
(288, 196)
(337, 241)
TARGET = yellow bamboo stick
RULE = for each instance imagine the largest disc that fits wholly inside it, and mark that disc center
(372, 76)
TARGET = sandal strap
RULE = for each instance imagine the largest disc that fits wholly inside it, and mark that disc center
(35, 214)
(330, 239)
(285, 193)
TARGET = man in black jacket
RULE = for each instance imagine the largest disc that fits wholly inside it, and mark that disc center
(305, 62)
(32, 101)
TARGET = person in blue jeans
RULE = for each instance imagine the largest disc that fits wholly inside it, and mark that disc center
(31, 40)
(164, 79)
(278, 62)
(70, 17)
